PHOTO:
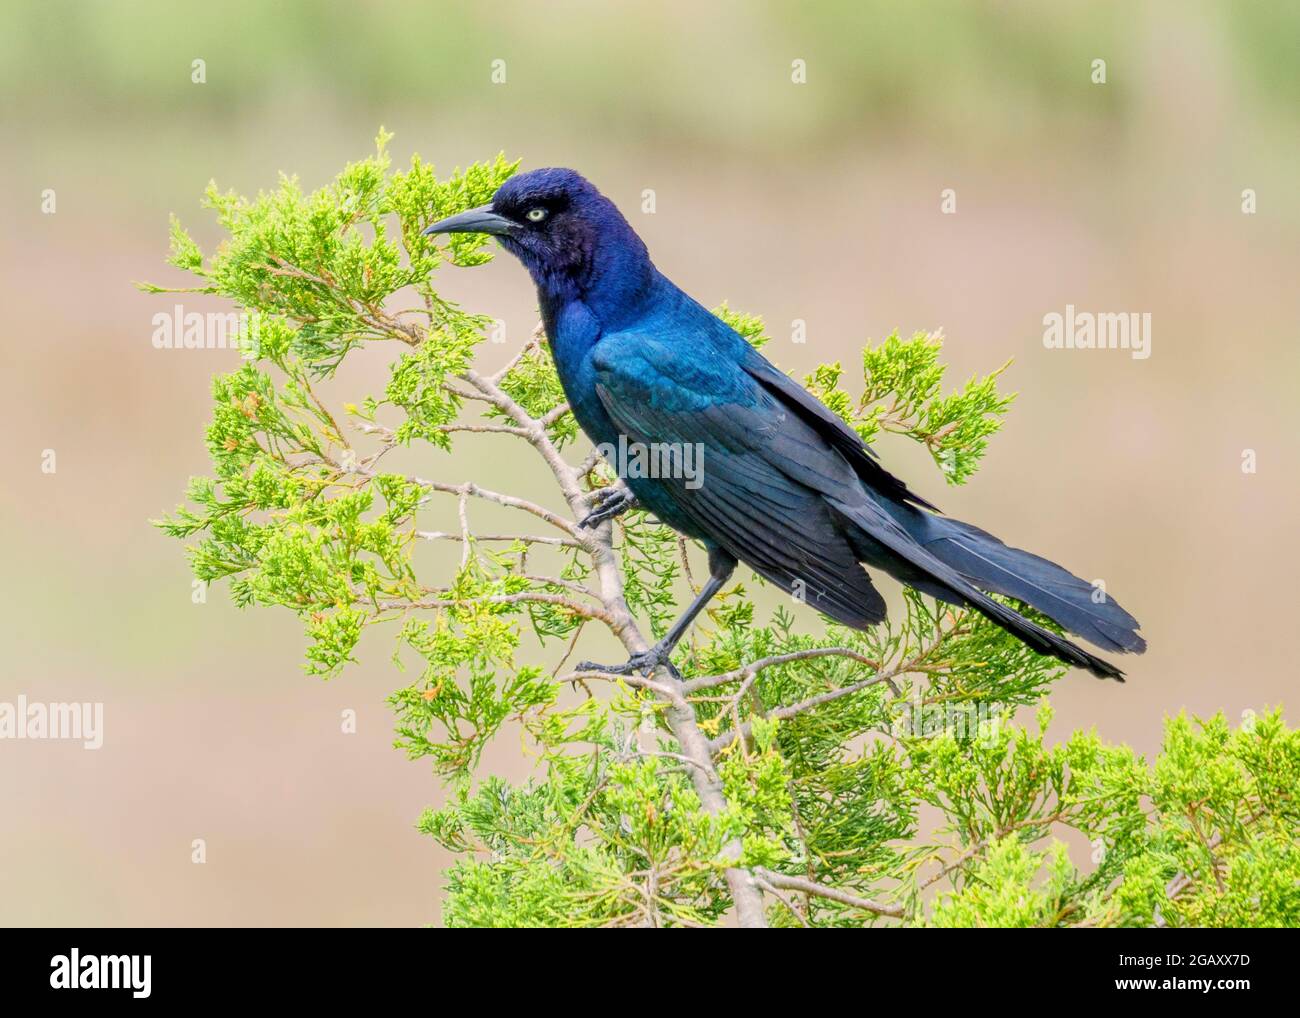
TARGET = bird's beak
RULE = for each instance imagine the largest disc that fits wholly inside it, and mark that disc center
(479, 220)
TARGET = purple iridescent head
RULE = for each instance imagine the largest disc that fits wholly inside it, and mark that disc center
(567, 234)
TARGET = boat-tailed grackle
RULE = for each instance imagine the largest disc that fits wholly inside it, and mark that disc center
(785, 487)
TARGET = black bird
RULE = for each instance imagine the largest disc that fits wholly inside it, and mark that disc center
(785, 487)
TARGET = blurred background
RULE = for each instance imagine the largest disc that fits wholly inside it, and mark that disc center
(817, 201)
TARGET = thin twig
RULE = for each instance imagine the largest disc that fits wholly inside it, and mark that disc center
(709, 681)
(439, 535)
(766, 876)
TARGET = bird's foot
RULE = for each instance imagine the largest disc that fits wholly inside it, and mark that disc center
(643, 663)
(608, 502)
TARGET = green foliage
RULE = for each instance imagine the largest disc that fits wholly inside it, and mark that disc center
(1205, 838)
(888, 766)
(749, 326)
(295, 515)
(902, 394)
(534, 385)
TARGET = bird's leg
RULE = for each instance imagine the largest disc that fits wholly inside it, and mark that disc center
(721, 566)
(608, 502)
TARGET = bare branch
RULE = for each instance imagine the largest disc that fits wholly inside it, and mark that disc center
(462, 512)
(666, 691)
(785, 713)
(482, 429)
(438, 535)
(474, 490)
(559, 581)
(523, 597)
(780, 880)
(589, 463)
(552, 416)
(709, 681)
(534, 341)
(510, 501)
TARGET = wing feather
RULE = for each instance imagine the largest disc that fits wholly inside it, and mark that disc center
(747, 503)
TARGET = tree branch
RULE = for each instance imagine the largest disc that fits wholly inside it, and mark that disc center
(785, 713)
(780, 880)
(709, 681)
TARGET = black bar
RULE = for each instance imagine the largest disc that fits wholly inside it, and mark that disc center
(210, 967)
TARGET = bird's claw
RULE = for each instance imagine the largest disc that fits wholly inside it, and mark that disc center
(609, 502)
(643, 663)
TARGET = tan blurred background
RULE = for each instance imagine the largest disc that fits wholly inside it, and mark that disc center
(818, 201)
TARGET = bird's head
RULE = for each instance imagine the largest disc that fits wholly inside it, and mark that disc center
(569, 236)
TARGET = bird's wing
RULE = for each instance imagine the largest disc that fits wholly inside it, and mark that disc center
(830, 426)
(761, 469)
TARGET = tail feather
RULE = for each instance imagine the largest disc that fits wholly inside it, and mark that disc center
(958, 562)
(1042, 640)
(1073, 603)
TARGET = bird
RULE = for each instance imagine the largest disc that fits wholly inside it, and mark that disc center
(785, 485)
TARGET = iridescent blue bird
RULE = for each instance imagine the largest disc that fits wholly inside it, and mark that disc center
(785, 487)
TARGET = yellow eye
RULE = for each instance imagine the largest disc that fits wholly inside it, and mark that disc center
(536, 215)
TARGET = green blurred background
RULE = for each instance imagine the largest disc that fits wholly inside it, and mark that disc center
(818, 201)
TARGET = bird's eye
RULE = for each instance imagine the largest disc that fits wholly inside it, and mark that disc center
(536, 215)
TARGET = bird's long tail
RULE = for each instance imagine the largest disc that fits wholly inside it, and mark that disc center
(1083, 608)
(959, 562)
